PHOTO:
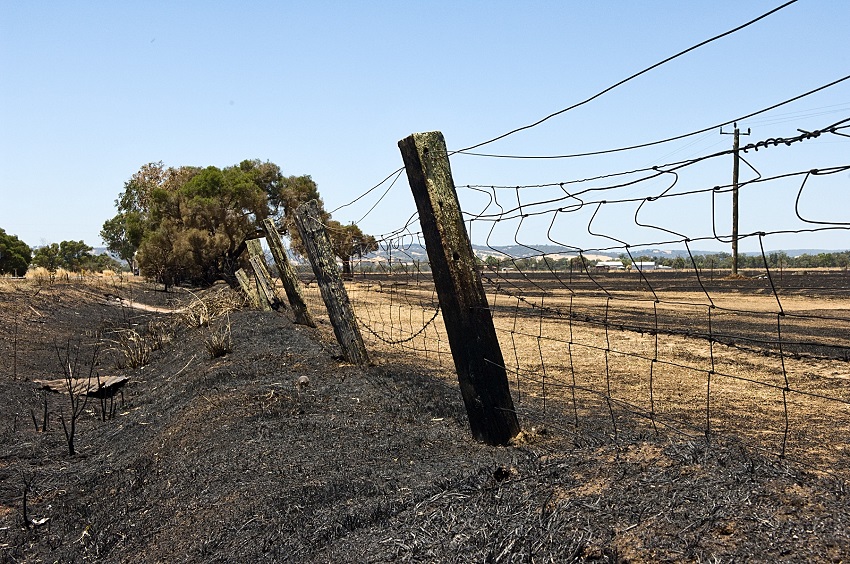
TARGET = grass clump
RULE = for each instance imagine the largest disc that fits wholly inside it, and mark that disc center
(219, 342)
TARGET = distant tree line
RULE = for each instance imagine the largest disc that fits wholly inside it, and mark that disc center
(16, 257)
(775, 260)
(74, 256)
(778, 259)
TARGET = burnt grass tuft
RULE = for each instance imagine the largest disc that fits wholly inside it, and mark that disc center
(225, 459)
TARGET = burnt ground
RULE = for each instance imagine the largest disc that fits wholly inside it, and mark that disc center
(227, 460)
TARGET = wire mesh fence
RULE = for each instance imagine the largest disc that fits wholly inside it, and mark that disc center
(604, 342)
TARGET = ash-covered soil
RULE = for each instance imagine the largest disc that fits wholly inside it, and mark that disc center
(228, 460)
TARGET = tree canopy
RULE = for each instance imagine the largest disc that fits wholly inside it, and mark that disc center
(190, 224)
(15, 255)
(349, 241)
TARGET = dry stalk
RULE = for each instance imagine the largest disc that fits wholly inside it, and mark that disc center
(219, 342)
(214, 303)
(135, 349)
(158, 335)
(78, 396)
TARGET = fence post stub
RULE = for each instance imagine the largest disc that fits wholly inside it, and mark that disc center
(322, 258)
(469, 324)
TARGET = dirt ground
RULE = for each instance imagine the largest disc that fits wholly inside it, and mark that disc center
(229, 459)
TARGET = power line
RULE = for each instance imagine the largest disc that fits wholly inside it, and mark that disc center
(661, 141)
(632, 77)
(367, 192)
(657, 170)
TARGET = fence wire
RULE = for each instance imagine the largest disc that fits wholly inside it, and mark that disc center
(674, 345)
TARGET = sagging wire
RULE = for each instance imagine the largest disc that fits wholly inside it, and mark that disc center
(658, 170)
(660, 141)
(369, 191)
(630, 78)
(387, 191)
(816, 172)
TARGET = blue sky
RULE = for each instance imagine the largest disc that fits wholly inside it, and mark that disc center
(91, 91)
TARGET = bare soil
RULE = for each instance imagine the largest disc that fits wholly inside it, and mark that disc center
(228, 460)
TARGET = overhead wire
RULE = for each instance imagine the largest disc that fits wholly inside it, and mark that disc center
(630, 78)
(660, 141)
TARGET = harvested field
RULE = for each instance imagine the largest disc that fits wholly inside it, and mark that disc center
(755, 360)
(227, 459)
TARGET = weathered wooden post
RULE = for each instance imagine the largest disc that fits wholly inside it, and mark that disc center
(264, 283)
(265, 291)
(469, 324)
(291, 284)
(249, 289)
(319, 251)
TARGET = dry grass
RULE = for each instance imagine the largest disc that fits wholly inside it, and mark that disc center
(211, 304)
(134, 349)
(219, 342)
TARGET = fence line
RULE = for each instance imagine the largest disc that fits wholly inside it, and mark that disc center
(687, 351)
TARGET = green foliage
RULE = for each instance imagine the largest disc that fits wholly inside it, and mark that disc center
(579, 263)
(123, 234)
(190, 224)
(15, 255)
(72, 255)
(349, 241)
(99, 263)
(492, 262)
(195, 231)
(291, 192)
(47, 257)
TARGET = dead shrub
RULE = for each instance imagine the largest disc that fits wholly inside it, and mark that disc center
(158, 334)
(214, 303)
(134, 349)
(196, 314)
(219, 342)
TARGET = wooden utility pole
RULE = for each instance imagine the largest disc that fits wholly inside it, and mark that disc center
(735, 167)
(463, 302)
(319, 251)
(291, 284)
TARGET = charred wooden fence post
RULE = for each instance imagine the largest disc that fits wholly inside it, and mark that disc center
(291, 284)
(319, 251)
(265, 286)
(247, 287)
(463, 302)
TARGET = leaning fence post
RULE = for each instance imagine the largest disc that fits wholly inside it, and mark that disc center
(463, 302)
(290, 281)
(319, 251)
(265, 291)
(249, 289)
(264, 283)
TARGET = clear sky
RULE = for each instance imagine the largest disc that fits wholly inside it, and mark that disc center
(90, 91)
